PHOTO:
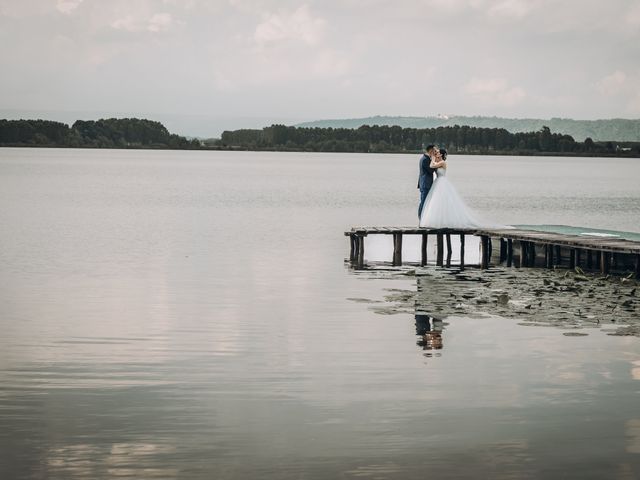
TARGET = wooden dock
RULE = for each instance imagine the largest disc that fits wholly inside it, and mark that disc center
(514, 247)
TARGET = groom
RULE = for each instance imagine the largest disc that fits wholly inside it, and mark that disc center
(425, 180)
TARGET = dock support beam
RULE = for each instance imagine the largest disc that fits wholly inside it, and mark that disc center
(462, 251)
(397, 249)
(572, 259)
(423, 250)
(509, 252)
(503, 250)
(558, 255)
(449, 250)
(440, 252)
(352, 250)
(523, 254)
(548, 255)
(485, 254)
(531, 254)
(589, 259)
(360, 248)
(605, 262)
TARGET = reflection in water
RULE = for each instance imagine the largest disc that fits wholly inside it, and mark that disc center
(633, 426)
(428, 328)
(130, 460)
(633, 435)
(429, 331)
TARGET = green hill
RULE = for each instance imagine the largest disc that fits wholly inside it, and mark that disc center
(614, 129)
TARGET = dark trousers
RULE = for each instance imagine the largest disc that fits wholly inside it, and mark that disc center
(423, 197)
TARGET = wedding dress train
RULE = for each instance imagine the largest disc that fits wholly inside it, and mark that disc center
(444, 208)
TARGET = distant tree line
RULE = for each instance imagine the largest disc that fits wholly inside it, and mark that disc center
(142, 133)
(104, 133)
(382, 138)
(614, 129)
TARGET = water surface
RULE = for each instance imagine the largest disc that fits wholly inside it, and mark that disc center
(186, 315)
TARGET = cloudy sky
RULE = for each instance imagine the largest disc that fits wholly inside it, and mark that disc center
(322, 58)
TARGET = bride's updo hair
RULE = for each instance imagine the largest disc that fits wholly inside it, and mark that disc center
(443, 152)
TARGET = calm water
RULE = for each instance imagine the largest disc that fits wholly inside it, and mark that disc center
(185, 315)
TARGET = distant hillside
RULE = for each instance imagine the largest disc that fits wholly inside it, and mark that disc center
(615, 129)
(396, 139)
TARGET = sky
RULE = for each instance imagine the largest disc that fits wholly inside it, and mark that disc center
(246, 61)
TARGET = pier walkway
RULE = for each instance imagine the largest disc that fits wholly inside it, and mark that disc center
(513, 247)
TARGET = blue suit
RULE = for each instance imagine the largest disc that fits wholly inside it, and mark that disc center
(425, 180)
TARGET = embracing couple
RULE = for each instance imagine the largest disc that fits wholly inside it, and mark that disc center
(440, 204)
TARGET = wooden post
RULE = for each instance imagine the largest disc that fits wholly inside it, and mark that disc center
(598, 258)
(523, 253)
(605, 262)
(503, 250)
(549, 255)
(484, 258)
(449, 250)
(531, 253)
(462, 251)
(394, 253)
(509, 252)
(397, 249)
(423, 260)
(558, 255)
(353, 249)
(356, 246)
(578, 257)
(589, 259)
(572, 258)
(360, 261)
(440, 252)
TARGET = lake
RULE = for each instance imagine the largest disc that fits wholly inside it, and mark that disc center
(176, 314)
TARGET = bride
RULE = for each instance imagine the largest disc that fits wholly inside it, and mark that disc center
(444, 208)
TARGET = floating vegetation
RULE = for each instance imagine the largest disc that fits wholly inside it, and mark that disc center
(567, 299)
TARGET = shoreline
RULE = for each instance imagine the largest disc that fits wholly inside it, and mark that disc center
(395, 152)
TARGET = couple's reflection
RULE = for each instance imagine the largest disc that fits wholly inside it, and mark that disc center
(428, 328)
(429, 331)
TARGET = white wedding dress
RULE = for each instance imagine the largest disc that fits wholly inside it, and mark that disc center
(444, 208)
